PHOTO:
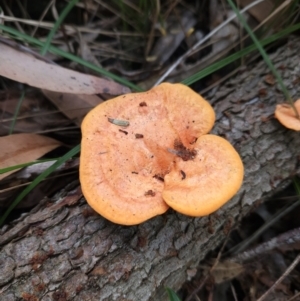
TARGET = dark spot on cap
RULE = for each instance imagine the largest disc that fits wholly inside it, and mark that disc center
(124, 132)
(150, 193)
(139, 136)
(184, 153)
(159, 177)
(143, 104)
(182, 174)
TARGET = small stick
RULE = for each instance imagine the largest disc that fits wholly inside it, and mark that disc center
(217, 260)
(287, 238)
(285, 274)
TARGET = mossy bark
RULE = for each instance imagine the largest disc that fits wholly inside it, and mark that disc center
(62, 250)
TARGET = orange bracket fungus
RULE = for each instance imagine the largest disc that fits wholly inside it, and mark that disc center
(142, 153)
(287, 117)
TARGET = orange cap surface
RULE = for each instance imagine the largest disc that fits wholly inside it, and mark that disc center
(144, 152)
(128, 148)
(287, 117)
(200, 186)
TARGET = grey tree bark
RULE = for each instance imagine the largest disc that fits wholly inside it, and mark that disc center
(62, 250)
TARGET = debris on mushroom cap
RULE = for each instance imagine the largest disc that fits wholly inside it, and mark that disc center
(211, 179)
(124, 171)
(287, 117)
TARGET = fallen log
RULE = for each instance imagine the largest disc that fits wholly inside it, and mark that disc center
(63, 250)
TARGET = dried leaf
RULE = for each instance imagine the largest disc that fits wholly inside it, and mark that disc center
(13, 185)
(24, 68)
(226, 270)
(85, 50)
(73, 106)
(21, 148)
(260, 11)
(35, 114)
(167, 44)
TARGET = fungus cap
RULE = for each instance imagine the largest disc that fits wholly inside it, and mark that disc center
(210, 179)
(133, 143)
(287, 117)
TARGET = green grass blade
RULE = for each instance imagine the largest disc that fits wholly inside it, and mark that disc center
(14, 167)
(68, 155)
(172, 295)
(232, 58)
(263, 54)
(38, 179)
(60, 19)
(47, 47)
(64, 54)
(12, 127)
(296, 183)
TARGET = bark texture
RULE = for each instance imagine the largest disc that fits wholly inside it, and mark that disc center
(62, 250)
